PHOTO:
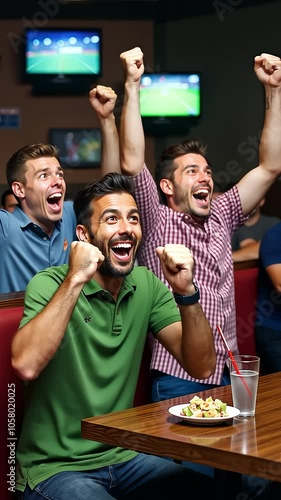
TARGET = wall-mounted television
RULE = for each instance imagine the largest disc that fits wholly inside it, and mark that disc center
(170, 102)
(78, 147)
(62, 60)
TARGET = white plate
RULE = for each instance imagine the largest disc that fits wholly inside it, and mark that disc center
(176, 411)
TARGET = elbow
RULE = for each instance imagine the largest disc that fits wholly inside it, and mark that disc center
(23, 364)
(202, 374)
(210, 370)
(205, 370)
(24, 372)
(125, 169)
(130, 166)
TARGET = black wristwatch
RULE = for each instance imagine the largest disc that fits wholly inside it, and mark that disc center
(188, 300)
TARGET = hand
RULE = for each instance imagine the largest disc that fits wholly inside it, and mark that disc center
(84, 260)
(268, 69)
(132, 61)
(102, 100)
(177, 264)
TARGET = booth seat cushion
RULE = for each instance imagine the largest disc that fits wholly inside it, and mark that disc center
(246, 291)
(11, 397)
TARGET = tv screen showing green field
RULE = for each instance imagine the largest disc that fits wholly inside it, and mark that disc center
(167, 94)
(63, 52)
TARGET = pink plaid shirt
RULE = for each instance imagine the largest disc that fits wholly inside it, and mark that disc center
(213, 270)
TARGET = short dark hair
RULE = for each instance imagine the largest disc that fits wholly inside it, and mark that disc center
(110, 183)
(166, 165)
(16, 165)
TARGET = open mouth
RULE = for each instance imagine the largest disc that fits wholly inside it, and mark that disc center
(202, 196)
(55, 201)
(122, 251)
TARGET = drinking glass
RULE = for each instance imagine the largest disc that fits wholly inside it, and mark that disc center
(244, 378)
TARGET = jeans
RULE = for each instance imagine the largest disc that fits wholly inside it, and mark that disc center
(140, 478)
(166, 386)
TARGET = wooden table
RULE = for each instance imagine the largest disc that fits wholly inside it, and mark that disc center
(251, 446)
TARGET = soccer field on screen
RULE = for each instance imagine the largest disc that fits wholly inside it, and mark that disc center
(51, 63)
(169, 102)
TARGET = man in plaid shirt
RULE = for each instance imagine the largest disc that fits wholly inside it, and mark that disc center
(187, 216)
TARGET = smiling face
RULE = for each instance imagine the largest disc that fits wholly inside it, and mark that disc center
(42, 194)
(116, 231)
(192, 188)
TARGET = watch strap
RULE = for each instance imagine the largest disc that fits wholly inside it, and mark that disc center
(188, 300)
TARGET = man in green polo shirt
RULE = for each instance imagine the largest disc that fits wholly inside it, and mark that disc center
(79, 349)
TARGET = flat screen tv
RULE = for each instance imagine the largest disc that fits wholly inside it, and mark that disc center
(62, 58)
(78, 147)
(170, 101)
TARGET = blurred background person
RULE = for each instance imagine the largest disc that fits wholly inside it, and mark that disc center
(8, 200)
(246, 239)
(268, 318)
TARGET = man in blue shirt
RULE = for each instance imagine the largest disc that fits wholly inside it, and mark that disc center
(39, 232)
(268, 319)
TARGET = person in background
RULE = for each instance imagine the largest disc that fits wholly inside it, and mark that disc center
(39, 232)
(8, 200)
(268, 310)
(185, 216)
(79, 349)
(246, 239)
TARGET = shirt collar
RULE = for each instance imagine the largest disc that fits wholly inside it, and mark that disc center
(25, 221)
(92, 287)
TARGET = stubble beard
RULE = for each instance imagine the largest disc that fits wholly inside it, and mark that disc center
(109, 269)
(181, 200)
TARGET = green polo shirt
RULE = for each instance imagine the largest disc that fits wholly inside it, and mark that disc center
(94, 371)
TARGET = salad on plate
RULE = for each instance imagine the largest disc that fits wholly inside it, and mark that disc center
(208, 408)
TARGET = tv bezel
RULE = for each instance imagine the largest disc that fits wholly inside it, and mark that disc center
(63, 131)
(161, 125)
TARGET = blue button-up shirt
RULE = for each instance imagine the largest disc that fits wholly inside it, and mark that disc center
(26, 249)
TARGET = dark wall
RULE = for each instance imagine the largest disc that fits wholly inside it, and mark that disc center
(222, 46)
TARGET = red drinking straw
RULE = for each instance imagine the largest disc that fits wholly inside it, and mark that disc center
(233, 360)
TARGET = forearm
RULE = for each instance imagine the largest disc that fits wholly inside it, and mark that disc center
(132, 142)
(270, 144)
(110, 160)
(198, 351)
(36, 343)
(249, 252)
